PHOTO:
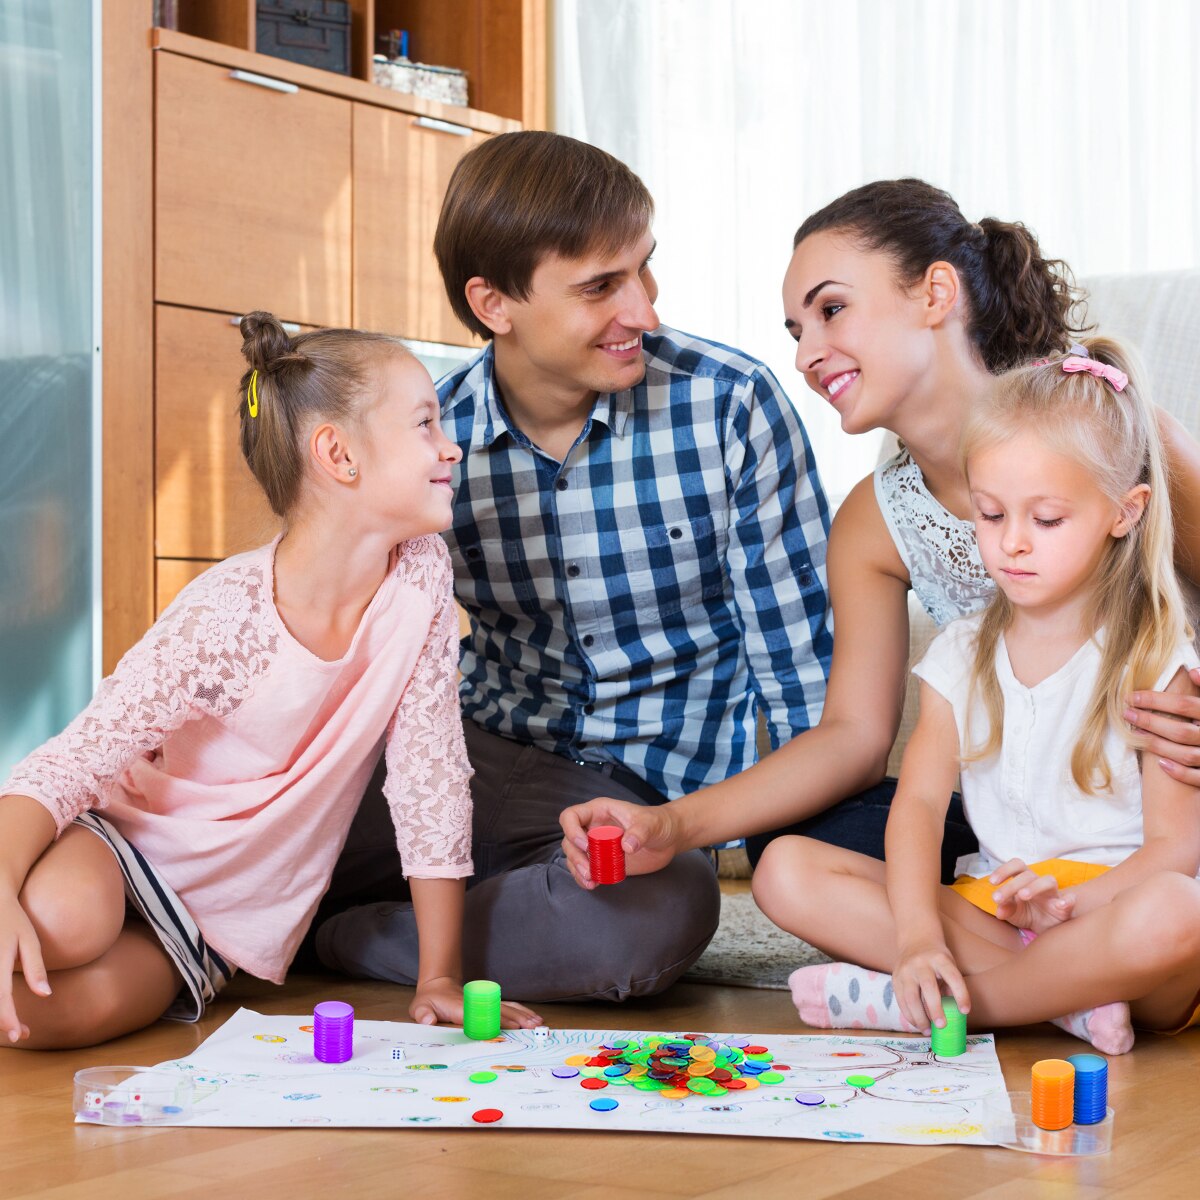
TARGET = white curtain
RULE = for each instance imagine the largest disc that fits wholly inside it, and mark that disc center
(1079, 117)
(47, 353)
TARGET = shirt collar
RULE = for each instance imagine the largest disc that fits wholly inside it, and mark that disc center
(492, 422)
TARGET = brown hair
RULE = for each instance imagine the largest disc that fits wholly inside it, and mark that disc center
(322, 374)
(520, 196)
(1021, 305)
(1136, 599)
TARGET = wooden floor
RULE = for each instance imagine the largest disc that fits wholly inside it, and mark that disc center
(1155, 1091)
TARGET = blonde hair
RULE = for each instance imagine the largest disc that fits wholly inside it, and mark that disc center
(1137, 601)
(297, 381)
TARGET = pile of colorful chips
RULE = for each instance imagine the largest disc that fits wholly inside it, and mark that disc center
(677, 1066)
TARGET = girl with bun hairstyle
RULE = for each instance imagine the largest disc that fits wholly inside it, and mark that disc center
(903, 312)
(186, 824)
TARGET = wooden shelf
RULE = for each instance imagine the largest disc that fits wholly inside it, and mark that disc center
(500, 44)
(329, 82)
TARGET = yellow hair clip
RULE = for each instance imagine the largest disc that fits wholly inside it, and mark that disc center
(252, 393)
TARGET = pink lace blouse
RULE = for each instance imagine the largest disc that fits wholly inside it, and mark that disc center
(234, 759)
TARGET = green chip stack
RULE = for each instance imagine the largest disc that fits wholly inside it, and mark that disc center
(951, 1040)
(481, 1009)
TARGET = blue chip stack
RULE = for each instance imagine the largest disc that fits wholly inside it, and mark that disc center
(1091, 1088)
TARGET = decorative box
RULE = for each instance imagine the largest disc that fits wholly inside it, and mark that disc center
(446, 84)
(313, 32)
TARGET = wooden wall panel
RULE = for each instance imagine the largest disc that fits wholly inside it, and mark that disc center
(127, 327)
(229, 21)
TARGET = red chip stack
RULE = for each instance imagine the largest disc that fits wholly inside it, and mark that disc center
(606, 858)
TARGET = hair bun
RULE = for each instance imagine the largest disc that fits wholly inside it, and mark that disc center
(264, 340)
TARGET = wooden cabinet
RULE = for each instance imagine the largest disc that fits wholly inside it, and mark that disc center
(402, 164)
(252, 193)
(171, 577)
(207, 504)
(235, 181)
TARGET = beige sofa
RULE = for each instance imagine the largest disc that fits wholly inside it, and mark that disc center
(1159, 313)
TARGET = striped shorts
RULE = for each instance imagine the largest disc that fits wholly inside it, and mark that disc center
(204, 971)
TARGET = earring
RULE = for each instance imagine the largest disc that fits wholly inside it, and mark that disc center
(353, 472)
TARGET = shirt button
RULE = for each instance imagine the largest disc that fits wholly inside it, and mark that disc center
(677, 533)
(588, 640)
(562, 485)
(573, 570)
(588, 709)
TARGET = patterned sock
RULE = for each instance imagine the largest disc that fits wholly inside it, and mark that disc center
(1106, 1026)
(843, 996)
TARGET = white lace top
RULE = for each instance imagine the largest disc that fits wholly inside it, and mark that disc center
(938, 549)
(234, 759)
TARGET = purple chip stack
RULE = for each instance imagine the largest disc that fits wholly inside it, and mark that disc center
(333, 1032)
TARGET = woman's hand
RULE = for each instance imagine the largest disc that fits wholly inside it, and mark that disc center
(440, 1001)
(652, 835)
(1029, 901)
(18, 945)
(1170, 723)
(916, 980)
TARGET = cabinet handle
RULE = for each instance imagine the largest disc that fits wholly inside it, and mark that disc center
(289, 327)
(265, 81)
(442, 126)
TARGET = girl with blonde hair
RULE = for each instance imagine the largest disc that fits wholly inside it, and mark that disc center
(1082, 898)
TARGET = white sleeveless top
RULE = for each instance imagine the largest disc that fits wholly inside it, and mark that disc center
(938, 549)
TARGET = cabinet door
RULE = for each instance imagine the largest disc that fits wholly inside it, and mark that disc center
(401, 169)
(252, 195)
(208, 505)
(171, 576)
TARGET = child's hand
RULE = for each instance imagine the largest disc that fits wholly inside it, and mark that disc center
(18, 944)
(440, 1001)
(1029, 901)
(917, 980)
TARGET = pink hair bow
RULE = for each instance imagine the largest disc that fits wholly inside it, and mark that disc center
(1074, 363)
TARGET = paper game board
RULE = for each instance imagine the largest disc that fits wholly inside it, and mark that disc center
(260, 1071)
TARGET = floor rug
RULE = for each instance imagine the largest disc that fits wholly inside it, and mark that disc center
(749, 951)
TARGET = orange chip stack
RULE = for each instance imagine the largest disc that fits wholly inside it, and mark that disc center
(1052, 1097)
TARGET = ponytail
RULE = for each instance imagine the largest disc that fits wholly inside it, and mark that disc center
(1020, 305)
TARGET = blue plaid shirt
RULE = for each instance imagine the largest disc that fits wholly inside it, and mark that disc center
(638, 602)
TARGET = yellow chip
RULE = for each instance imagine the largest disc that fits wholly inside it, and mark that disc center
(636, 1073)
(703, 1053)
(577, 1060)
(451, 1099)
(675, 1094)
(701, 1068)
(751, 1082)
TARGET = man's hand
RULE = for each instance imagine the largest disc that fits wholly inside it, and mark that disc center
(652, 836)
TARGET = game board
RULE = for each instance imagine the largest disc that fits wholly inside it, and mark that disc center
(260, 1071)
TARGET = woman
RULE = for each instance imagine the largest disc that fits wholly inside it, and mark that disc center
(902, 311)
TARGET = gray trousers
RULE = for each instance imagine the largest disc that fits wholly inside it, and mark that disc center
(528, 925)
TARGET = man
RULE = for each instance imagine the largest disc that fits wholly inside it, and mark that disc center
(639, 541)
